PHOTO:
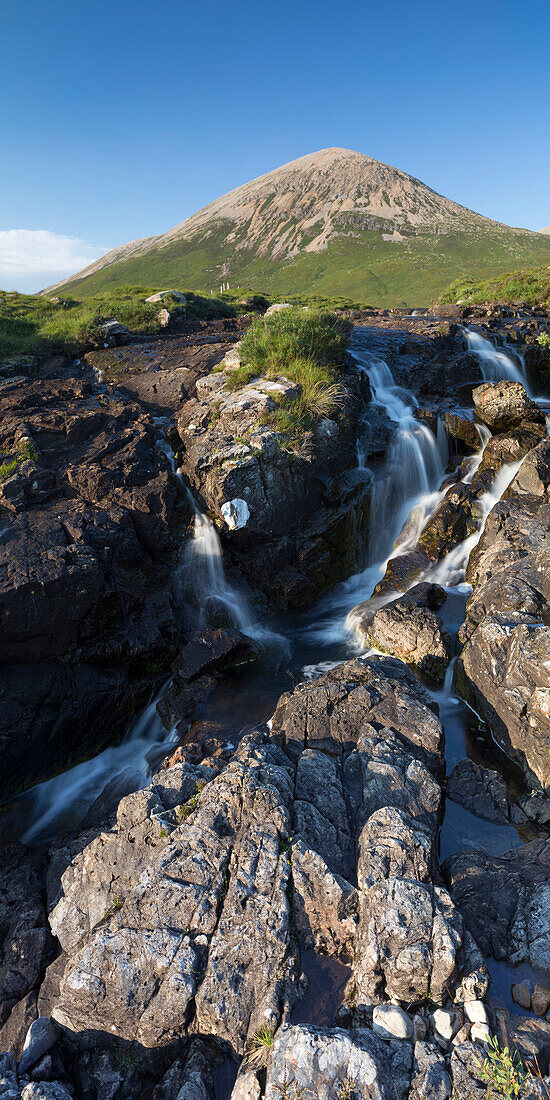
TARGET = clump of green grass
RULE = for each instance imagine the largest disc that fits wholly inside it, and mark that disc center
(259, 1045)
(7, 469)
(544, 339)
(308, 348)
(272, 343)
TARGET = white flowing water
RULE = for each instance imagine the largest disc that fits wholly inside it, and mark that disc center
(496, 364)
(53, 806)
(203, 565)
(450, 571)
(405, 489)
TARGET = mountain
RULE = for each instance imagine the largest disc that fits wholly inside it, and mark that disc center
(331, 223)
(545, 230)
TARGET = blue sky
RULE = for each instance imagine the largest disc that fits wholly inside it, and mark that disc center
(120, 119)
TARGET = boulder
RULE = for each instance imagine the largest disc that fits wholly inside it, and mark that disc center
(505, 901)
(481, 791)
(41, 1037)
(409, 629)
(504, 405)
(325, 1061)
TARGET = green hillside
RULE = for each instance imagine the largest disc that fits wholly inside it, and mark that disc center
(367, 268)
(531, 286)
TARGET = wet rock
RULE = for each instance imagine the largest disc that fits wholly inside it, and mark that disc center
(504, 901)
(521, 994)
(328, 1059)
(504, 405)
(540, 999)
(480, 790)
(511, 447)
(500, 670)
(453, 521)
(391, 1022)
(462, 429)
(213, 651)
(408, 629)
(41, 1037)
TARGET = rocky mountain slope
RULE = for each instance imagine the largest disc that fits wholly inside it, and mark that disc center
(334, 222)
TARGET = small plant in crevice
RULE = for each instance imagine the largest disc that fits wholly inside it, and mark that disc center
(259, 1045)
(347, 1089)
(502, 1070)
(116, 904)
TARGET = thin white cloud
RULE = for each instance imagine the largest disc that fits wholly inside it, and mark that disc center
(33, 258)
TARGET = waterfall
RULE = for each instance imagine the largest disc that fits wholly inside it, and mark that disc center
(405, 488)
(449, 572)
(496, 365)
(213, 593)
(414, 467)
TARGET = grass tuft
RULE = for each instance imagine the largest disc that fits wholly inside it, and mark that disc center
(259, 1045)
(307, 347)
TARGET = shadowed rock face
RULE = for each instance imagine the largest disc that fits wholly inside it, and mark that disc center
(505, 901)
(88, 524)
(502, 668)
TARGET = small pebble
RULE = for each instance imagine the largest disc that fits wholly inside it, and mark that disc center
(445, 1023)
(391, 1022)
(540, 1001)
(480, 1033)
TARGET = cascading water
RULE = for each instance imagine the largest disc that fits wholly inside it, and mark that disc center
(496, 364)
(203, 563)
(405, 488)
(414, 466)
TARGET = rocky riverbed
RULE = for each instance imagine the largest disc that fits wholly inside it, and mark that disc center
(309, 866)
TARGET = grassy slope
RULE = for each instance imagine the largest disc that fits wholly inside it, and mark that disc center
(34, 325)
(531, 286)
(363, 267)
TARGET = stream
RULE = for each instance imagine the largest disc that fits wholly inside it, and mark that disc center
(405, 491)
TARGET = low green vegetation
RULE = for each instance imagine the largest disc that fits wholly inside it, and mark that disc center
(32, 324)
(12, 457)
(305, 346)
(502, 1070)
(531, 286)
(259, 1045)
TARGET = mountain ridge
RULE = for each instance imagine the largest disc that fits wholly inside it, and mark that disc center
(301, 217)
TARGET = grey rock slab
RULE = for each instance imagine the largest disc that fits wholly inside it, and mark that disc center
(324, 905)
(480, 790)
(41, 1036)
(326, 1060)
(505, 901)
